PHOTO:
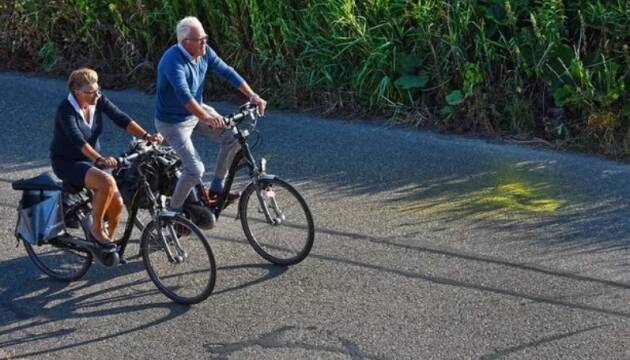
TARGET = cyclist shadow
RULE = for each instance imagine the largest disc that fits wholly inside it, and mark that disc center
(270, 272)
(32, 302)
(33, 297)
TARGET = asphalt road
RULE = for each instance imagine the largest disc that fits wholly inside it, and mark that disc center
(427, 247)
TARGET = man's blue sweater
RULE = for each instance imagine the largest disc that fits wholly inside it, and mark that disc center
(181, 79)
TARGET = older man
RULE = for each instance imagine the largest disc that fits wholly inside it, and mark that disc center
(180, 109)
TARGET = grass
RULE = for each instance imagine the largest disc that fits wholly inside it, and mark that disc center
(487, 66)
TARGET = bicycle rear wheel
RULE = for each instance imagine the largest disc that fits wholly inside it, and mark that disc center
(179, 259)
(286, 238)
(58, 261)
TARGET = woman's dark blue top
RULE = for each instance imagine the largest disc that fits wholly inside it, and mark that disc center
(71, 132)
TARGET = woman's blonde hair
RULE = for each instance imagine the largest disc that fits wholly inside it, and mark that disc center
(81, 77)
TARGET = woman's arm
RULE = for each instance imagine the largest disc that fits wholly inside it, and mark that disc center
(123, 120)
(90, 153)
(118, 116)
(67, 121)
(98, 159)
(136, 130)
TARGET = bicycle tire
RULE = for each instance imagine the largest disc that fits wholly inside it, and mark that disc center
(196, 252)
(291, 248)
(48, 259)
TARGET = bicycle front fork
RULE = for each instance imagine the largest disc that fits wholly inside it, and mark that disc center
(170, 242)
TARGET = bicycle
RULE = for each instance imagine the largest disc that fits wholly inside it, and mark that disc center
(54, 219)
(275, 218)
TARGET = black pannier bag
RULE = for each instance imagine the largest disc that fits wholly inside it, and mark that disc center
(161, 174)
(128, 181)
(40, 216)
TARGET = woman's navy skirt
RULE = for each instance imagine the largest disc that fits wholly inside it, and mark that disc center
(71, 171)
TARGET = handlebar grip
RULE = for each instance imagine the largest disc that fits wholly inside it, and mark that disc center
(245, 110)
(164, 162)
(129, 158)
(125, 160)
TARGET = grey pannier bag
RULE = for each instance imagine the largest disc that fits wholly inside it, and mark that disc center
(40, 216)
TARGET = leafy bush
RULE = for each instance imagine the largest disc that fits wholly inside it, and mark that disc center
(549, 68)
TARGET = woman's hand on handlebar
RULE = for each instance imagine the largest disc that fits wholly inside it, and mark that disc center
(155, 139)
(106, 163)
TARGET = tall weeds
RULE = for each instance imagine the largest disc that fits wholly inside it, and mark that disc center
(555, 69)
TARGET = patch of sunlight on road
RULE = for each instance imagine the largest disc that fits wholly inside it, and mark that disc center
(509, 199)
(521, 196)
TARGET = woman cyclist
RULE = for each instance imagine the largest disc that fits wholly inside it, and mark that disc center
(75, 150)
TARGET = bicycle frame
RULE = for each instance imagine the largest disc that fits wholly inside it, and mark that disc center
(143, 189)
(257, 172)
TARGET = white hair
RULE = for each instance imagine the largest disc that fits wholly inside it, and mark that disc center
(185, 25)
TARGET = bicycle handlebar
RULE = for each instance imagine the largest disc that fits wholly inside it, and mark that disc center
(234, 119)
(142, 148)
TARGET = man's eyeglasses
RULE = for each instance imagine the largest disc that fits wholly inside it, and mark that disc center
(199, 40)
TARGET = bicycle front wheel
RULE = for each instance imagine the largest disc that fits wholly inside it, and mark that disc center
(179, 260)
(286, 236)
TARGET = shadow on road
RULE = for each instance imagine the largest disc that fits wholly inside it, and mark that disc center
(37, 302)
(548, 339)
(569, 277)
(601, 284)
(312, 339)
(527, 202)
(545, 213)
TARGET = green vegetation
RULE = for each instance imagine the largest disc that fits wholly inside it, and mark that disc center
(558, 70)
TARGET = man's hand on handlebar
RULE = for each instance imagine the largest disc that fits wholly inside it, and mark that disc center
(259, 102)
(214, 122)
(214, 119)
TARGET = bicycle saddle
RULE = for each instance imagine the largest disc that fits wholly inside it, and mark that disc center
(40, 182)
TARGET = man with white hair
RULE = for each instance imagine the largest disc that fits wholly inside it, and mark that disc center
(180, 109)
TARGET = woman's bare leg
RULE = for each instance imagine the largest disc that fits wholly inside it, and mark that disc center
(112, 213)
(104, 187)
